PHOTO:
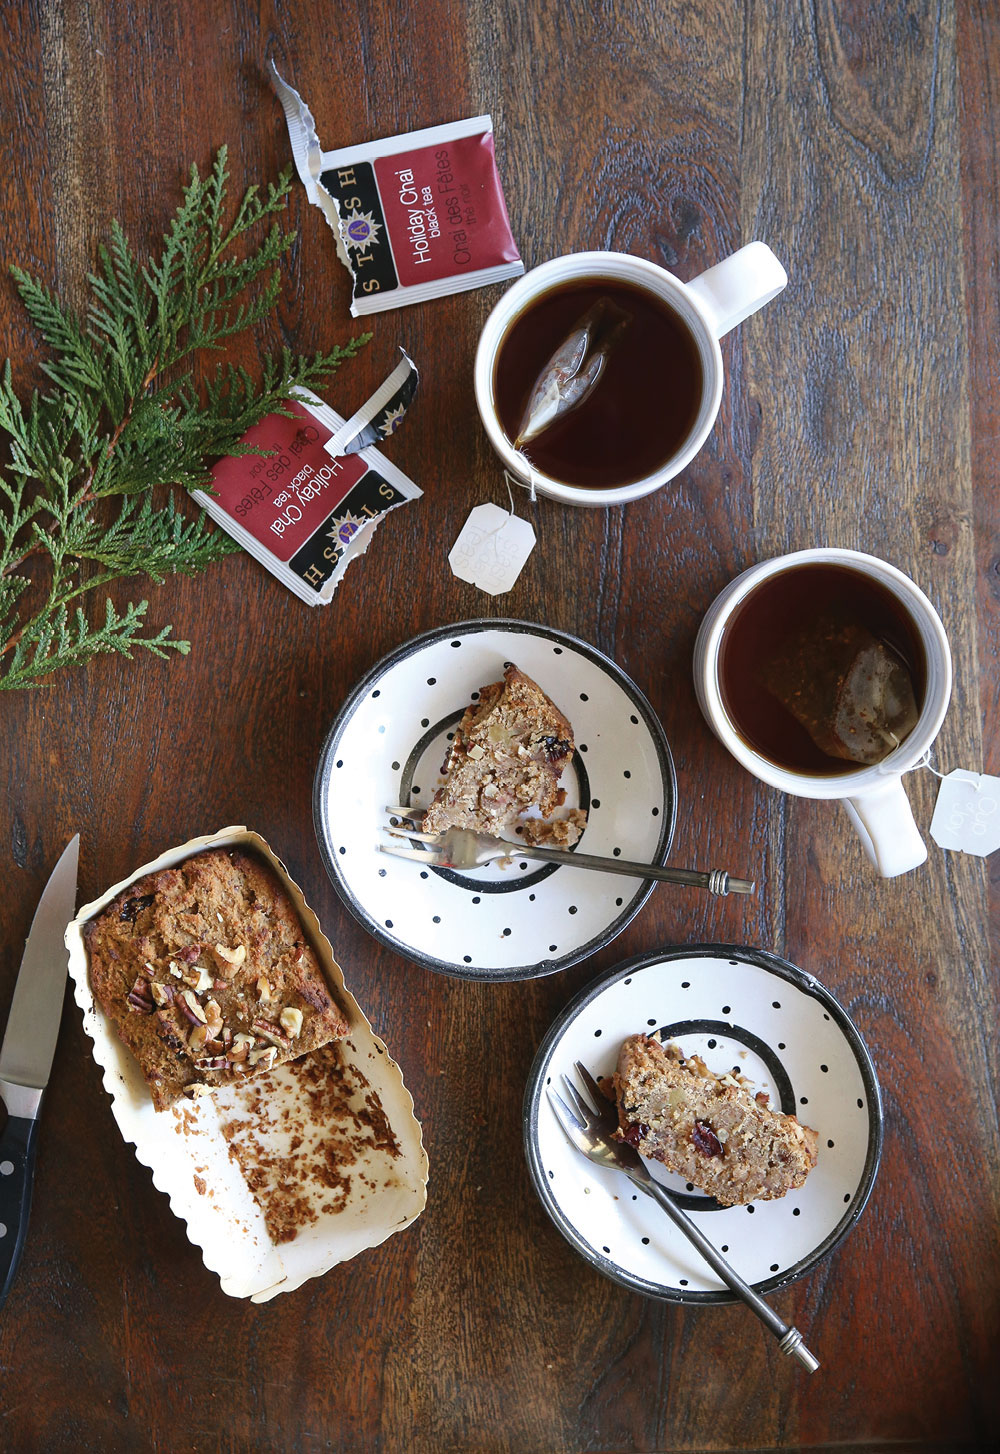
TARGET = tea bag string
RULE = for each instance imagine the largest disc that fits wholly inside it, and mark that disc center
(924, 761)
(491, 535)
(513, 479)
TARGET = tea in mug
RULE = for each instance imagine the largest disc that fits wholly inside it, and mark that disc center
(625, 374)
(822, 670)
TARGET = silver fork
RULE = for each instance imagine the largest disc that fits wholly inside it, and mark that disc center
(593, 1135)
(460, 848)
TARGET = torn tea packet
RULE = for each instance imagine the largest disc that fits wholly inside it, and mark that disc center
(382, 414)
(303, 515)
(415, 216)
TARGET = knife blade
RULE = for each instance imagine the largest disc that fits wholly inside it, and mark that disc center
(26, 1054)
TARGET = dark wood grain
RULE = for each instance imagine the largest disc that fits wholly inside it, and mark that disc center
(861, 409)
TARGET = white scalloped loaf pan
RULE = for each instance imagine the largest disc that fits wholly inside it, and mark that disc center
(186, 1151)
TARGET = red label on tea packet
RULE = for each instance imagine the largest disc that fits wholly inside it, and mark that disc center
(284, 498)
(444, 209)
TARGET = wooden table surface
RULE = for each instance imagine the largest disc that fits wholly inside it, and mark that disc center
(861, 410)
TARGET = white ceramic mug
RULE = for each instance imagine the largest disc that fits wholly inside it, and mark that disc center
(873, 796)
(710, 305)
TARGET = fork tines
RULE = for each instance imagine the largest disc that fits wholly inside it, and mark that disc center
(571, 1123)
(590, 1083)
(426, 856)
(398, 818)
(414, 835)
(586, 1111)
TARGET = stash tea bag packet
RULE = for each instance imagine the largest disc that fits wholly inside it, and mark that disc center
(301, 513)
(415, 216)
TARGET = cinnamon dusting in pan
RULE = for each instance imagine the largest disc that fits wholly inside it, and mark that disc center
(299, 1160)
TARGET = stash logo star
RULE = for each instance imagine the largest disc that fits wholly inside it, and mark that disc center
(343, 529)
(392, 420)
(360, 230)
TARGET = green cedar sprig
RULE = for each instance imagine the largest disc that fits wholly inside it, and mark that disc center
(124, 416)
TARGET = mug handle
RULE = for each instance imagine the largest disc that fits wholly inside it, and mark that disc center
(738, 286)
(889, 835)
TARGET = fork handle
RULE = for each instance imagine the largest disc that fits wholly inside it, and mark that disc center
(789, 1338)
(717, 881)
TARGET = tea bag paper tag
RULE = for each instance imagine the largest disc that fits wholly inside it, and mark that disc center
(967, 813)
(491, 549)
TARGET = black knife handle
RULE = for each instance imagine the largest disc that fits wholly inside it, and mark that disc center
(17, 1172)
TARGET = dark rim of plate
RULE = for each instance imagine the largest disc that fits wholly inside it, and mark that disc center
(327, 757)
(773, 965)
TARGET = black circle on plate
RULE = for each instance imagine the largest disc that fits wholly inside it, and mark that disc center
(470, 629)
(781, 969)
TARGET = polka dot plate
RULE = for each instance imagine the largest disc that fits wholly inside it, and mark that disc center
(388, 745)
(737, 1008)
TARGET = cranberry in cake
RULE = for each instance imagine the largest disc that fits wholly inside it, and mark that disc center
(208, 975)
(712, 1130)
(507, 756)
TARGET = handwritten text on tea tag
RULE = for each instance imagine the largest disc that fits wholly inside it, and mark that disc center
(967, 813)
(492, 548)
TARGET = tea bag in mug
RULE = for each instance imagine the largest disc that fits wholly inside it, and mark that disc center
(850, 690)
(574, 370)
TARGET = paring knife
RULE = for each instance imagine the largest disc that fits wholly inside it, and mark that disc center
(26, 1054)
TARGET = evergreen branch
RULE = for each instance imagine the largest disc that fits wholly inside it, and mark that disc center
(120, 418)
(76, 367)
(169, 541)
(58, 639)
